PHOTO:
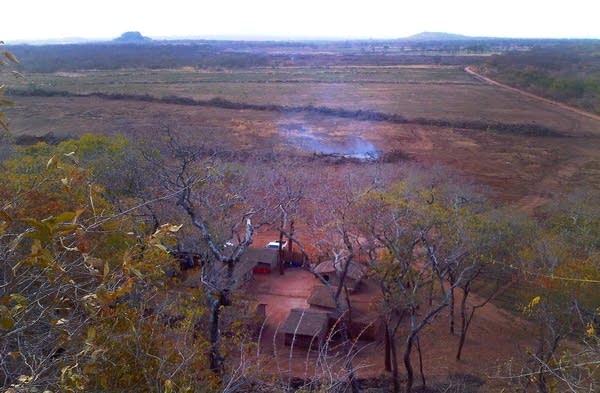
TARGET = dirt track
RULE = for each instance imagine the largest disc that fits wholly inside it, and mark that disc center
(530, 95)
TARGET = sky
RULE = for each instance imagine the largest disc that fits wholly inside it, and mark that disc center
(251, 19)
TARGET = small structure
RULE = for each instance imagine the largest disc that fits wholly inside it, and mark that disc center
(264, 260)
(365, 323)
(320, 299)
(331, 272)
(253, 261)
(243, 271)
(306, 328)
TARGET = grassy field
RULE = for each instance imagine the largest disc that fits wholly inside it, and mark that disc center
(526, 170)
(413, 92)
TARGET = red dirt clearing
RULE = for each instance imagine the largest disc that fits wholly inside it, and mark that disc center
(495, 337)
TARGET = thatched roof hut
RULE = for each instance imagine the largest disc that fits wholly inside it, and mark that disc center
(364, 321)
(320, 298)
(331, 272)
(264, 259)
(306, 328)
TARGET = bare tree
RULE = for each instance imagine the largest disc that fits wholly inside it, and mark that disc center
(417, 258)
(217, 200)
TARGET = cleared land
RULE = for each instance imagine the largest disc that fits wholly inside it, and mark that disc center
(522, 169)
(482, 354)
(413, 92)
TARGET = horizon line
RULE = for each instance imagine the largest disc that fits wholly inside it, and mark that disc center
(279, 38)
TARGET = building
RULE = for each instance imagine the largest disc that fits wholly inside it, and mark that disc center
(254, 260)
(306, 328)
(264, 260)
(320, 298)
(364, 322)
(331, 272)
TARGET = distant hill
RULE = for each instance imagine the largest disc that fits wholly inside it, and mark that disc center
(438, 36)
(132, 37)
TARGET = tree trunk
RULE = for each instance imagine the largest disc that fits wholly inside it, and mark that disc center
(348, 347)
(431, 289)
(280, 253)
(464, 326)
(408, 364)
(290, 242)
(465, 320)
(421, 362)
(391, 360)
(451, 305)
(388, 349)
(215, 358)
(395, 374)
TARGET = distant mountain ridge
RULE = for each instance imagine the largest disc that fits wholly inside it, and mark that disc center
(438, 36)
(132, 37)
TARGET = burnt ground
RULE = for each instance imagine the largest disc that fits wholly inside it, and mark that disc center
(519, 169)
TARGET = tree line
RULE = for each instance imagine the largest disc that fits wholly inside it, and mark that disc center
(569, 73)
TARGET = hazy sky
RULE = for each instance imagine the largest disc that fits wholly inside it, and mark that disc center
(46, 19)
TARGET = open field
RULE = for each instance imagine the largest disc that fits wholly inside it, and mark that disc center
(446, 93)
(521, 169)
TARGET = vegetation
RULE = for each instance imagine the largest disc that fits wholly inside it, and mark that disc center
(120, 260)
(566, 73)
(6, 57)
(92, 302)
(361, 115)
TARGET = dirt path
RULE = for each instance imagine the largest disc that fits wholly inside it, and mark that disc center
(530, 95)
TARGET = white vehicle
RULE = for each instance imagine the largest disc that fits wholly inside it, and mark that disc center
(275, 244)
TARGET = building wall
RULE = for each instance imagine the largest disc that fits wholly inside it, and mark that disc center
(303, 341)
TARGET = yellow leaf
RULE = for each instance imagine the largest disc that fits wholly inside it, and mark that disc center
(91, 334)
(15, 355)
(168, 386)
(51, 161)
(175, 228)
(160, 246)
(66, 216)
(10, 57)
(4, 216)
(591, 330)
(3, 123)
(6, 322)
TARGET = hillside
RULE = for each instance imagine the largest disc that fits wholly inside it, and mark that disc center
(438, 36)
(131, 37)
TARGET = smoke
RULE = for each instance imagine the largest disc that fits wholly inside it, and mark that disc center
(348, 146)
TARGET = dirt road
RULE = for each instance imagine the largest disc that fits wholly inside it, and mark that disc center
(530, 95)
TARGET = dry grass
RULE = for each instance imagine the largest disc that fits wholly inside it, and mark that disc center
(520, 169)
(434, 92)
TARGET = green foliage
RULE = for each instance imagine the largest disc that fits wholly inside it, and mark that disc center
(5, 56)
(86, 302)
(567, 73)
(563, 267)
